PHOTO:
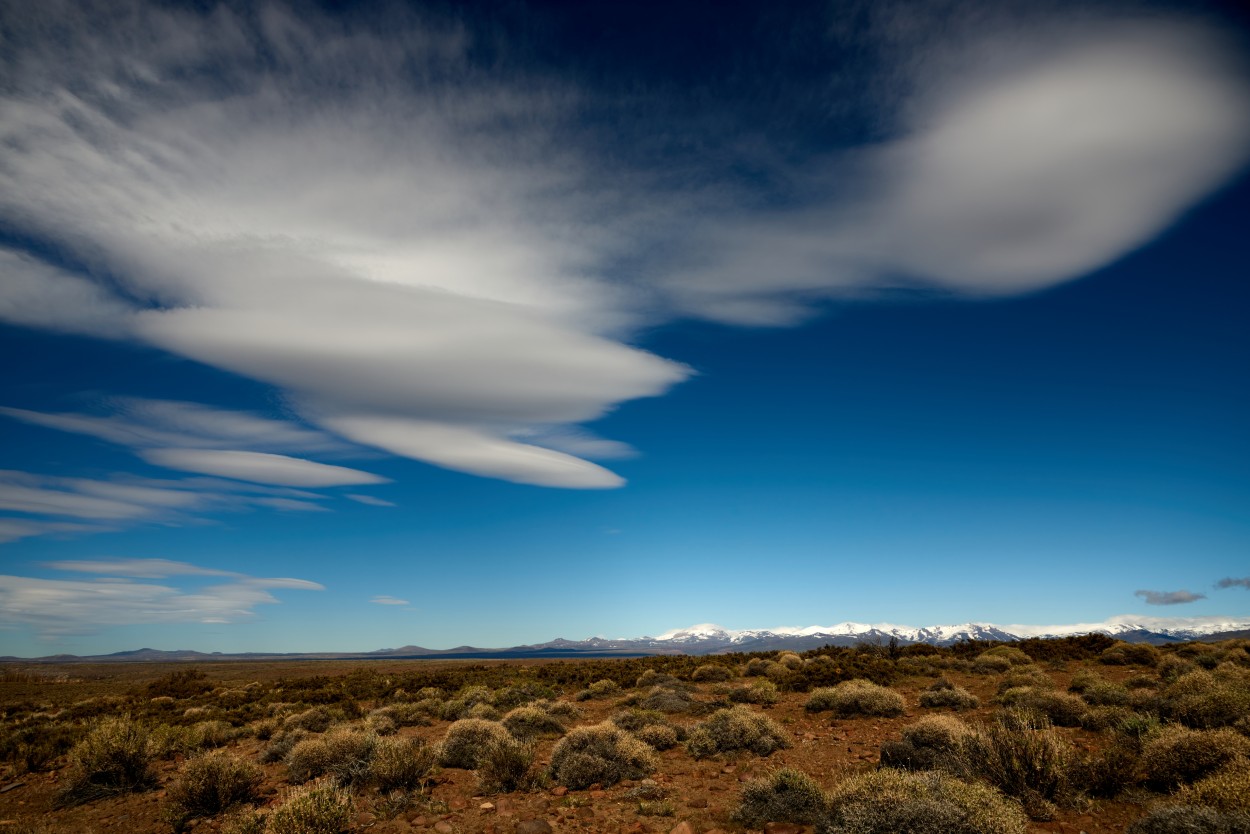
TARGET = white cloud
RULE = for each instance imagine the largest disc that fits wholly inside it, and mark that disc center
(370, 500)
(12, 529)
(388, 600)
(426, 258)
(258, 467)
(63, 606)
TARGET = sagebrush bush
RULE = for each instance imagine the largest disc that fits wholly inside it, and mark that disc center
(281, 745)
(736, 728)
(1013, 655)
(1061, 708)
(762, 692)
(1030, 676)
(1023, 757)
(652, 678)
(112, 758)
(466, 740)
(665, 699)
(530, 721)
(935, 742)
(211, 784)
(243, 822)
(1173, 666)
(1205, 700)
(599, 689)
(343, 754)
(932, 802)
(711, 673)
(602, 753)
(943, 693)
(856, 697)
(1106, 694)
(1190, 819)
(1135, 654)
(790, 660)
(1178, 755)
(1110, 771)
(786, 795)
(504, 765)
(316, 808)
(401, 764)
(658, 736)
(314, 720)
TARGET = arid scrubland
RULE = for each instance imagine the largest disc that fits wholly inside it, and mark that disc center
(1080, 734)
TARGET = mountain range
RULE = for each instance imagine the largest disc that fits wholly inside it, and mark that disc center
(708, 638)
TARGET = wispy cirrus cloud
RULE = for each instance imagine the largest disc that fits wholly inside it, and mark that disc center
(441, 260)
(1169, 597)
(57, 607)
(384, 599)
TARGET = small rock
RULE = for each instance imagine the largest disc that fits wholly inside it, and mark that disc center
(503, 807)
(697, 803)
(682, 827)
(533, 827)
(444, 827)
(598, 794)
(459, 804)
(585, 812)
(486, 806)
(559, 790)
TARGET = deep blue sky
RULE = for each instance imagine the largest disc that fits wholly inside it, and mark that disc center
(336, 328)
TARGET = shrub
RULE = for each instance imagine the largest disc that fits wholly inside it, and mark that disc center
(504, 764)
(650, 727)
(1106, 694)
(1030, 676)
(652, 678)
(113, 758)
(315, 720)
(658, 736)
(466, 740)
(890, 801)
(760, 692)
(932, 743)
(663, 699)
(786, 795)
(343, 754)
(1225, 790)
(530, 721)
(281, 745)
(316, 808)
(1204, 700)
(1021, 756)
(1172, 667)
(1134, 654)
(601, 753)
(1190, 819)
(856, 697)
(1014, 656)
(1179, 756)
(211, 784)
(1060, 708)
(1110, 771)
(599, 689)
(736, 728)
(401, 764)
(943, 693)
(990, 664)
(711, 673)
(790, 660)
(243, 822)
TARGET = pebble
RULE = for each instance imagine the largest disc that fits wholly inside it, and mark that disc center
(533, 827)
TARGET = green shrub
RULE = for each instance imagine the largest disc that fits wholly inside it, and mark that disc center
(211, 784)
(786, 795)
(1013, 655)
(893, 801)
(856, 697)
(1030, 676)
(343, 754)
(711, 673)
(401, 764)
(467, 739)
(1023, 757)
(1190, 819)
(601, 753)
(736, 728)
(316, 808)
(943, 693)
(113, 758)
(504, 765)
(529, 721)
(789, 660)
(1178, 755)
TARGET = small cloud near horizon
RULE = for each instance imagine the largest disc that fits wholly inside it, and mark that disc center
(383, 599)
(1233, 582)
(1169, 597)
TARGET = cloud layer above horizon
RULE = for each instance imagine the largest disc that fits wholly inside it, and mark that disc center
(447, 263)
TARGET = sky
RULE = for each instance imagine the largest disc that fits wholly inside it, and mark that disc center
(335, 326)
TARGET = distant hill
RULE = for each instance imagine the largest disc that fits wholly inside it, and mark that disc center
(708, 638)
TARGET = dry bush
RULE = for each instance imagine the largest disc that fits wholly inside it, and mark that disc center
(470, 702)
(599, 689)
(211, 784)
(466, 740)
(281, 745)
(602, 753)
(1060, 708)
(1207, 700)
(113, 758)
(652, 678)
(314, 720)
(892, 801)
(1106, 694)
(1030, 676)
(736, 728)
(1225, 790)
(711, 673)
(651, 727)
(504, 765)
(856, 697)
(658, 736)
(1173, 666)
(401, 764)
(531, 721)
(1190, 819)
(786, 795)
(1023, 757)
(317, 808)
(790, 660)
(943, 693)
(1178, 755)
(988, 664)
(763, 693)
(935, 742)
(243, 822)
(665, 699)
(1130, 654)
(343, 754)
